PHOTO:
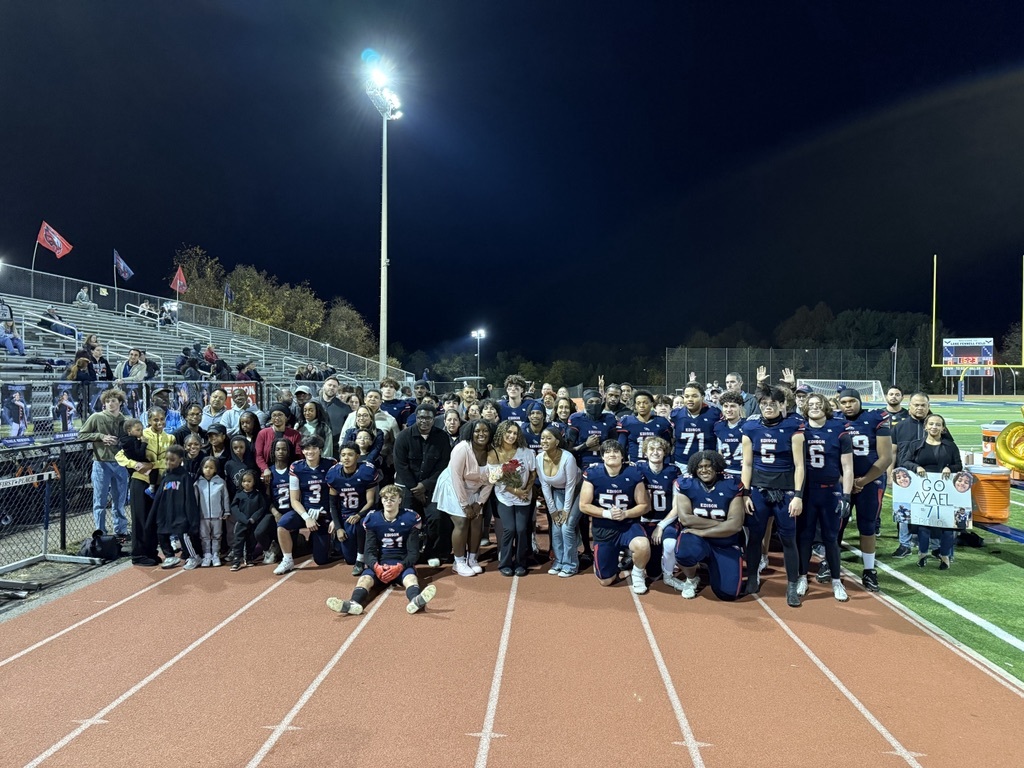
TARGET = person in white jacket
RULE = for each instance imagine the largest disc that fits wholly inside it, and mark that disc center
(214, 506)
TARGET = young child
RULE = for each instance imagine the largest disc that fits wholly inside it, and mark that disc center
(134, 446)
(241, 459)
(213, 507)
(392, 547)
(194, 456)
(176, 510)
(253, 521)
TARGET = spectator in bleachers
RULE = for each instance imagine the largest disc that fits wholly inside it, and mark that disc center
(190, 371)
(100, 366)
(147, 310)
(152, 366)
(210, 355)
(11, 339)
(130, 369)
(82, 299)
(90, 341)
(181, 360)
(80, 370)
(51, 321)
(168, 315)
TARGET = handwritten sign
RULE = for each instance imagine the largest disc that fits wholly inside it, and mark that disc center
(932, 500)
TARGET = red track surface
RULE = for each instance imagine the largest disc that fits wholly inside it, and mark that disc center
(187, 672)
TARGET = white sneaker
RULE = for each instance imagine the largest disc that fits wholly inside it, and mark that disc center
(288, 564)
(419, 602)
(474, 564)
(191, 564)
(462, 568)
(689, 590)
(566, 574)
(434, 562)
(170, 562)
(268, 557)
(207, 559)
(639, 578)
(673, 582)
(554, 571)
(215, 561)
(485, 542)
(763, 564)
(838, 591)
(801, 586)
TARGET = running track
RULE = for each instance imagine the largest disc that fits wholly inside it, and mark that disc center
(243, 669)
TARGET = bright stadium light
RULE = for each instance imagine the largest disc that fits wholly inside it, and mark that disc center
(478, 334)
(387, 103)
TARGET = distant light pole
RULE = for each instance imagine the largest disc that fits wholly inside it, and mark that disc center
(387, 103)
(1014, 372)
(478, 334)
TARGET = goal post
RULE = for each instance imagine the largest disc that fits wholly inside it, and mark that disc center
(871, 390)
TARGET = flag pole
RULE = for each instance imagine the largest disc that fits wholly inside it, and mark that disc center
(115, 285)
(895, 355)
(32, 285)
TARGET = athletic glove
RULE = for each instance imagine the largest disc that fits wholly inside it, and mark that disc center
(843, 506)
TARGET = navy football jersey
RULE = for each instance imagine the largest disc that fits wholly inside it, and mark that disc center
(694, 433)
(352, 488)
(824, 447)
(730, 445)
(617, 492)
(711, 504)
(660, 486)
(865, 428)
(517, 414)
(633, 432)
(393, 535)
(585, 427)
(400, 409)
(773, 449)
(532, 438)
(280, 496)
(310, 482)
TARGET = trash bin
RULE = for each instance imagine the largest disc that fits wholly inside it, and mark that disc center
(990, 494)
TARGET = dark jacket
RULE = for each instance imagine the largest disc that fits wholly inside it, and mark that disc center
(421, 460)
(134, 448)
(176, 507)
(248, 505)
(949, 456)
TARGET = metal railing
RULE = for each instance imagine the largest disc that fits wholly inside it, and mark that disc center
(58, 289)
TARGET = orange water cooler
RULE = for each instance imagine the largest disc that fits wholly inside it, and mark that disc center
(990, 494)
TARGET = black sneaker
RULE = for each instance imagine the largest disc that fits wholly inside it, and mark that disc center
(824, 573)
(358, 568)
(870, 580)
(506, 572)
(520, 571)
(792, 596)
(901, 551)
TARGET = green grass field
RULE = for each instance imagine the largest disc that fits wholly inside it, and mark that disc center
(988, 581)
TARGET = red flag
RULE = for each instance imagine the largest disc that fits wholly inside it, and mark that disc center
(178, 284)
(49, 238)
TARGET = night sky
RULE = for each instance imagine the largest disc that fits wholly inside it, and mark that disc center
(563, 169)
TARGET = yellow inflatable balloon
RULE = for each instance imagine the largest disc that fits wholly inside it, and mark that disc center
(1010, 445)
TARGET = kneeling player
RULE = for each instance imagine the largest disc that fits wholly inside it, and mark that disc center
(307, 484)
(614, 495)
(709, 508)
(392, 547)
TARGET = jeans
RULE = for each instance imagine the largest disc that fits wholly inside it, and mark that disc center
(109, 479)
(13, 344)
(906, 538)
(565, 537)
(947, 537)
(514, 547)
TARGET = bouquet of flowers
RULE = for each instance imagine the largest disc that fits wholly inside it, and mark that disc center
(508, 474)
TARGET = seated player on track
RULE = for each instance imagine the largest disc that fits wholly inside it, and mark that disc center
(708, 506)
(392, 547)
(307, 484)
(615, 496)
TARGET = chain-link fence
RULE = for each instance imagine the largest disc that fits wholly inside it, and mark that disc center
(45, 502)
(712, 364)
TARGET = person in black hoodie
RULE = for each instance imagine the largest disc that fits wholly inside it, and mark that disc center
(253, 521)
(176, 510)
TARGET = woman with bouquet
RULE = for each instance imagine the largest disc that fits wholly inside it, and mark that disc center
(513, 477)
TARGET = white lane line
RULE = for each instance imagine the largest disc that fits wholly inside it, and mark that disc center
(692, 745)
(487, 732)
(96, 615)
(286, 724)
(98, 717)
(956, 608)
(898, 749)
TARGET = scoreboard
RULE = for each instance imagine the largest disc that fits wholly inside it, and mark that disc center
(973, 354)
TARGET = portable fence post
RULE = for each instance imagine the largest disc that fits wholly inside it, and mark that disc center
(62, 466)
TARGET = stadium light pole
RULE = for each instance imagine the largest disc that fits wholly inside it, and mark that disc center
(387, 103)
(478, 334)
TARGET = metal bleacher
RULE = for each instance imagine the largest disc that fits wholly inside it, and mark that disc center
(120, 326)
